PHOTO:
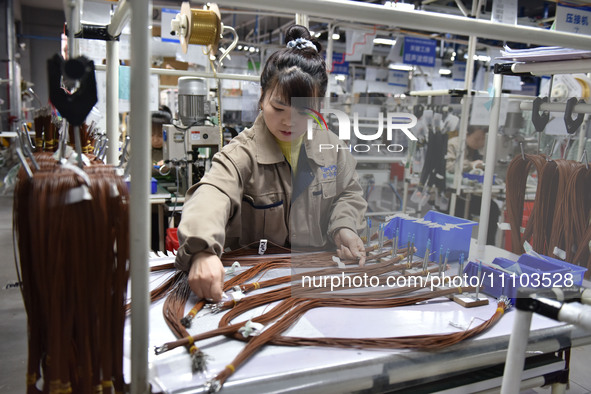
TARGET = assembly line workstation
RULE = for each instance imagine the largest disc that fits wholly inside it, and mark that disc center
(319, 369)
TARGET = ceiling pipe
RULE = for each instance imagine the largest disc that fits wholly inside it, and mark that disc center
(380, 15)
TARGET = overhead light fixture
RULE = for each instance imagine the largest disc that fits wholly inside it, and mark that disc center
(340, 77)
(400, 67)
(318, 34)
(252, 49)
(336, 36)
(444, 71)
(384, 41)
(239, 47)
(482, 58)
(399, 6)
(245, 48)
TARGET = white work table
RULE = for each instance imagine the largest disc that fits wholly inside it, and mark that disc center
(329, 370)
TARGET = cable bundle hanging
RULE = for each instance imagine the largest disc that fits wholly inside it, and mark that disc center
(560, 220)
(72, 232)
(517, 173)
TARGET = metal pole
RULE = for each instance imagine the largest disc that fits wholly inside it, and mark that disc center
(120, 18)
(464, 114)
(13, 82)
(202, 74)
(516, 352)
(73, 9)
(556, 107)
(329, 51)
(380, 15)
(139, 130)
(489, 166)
(113, 101)
(557, 67)
(302, 19)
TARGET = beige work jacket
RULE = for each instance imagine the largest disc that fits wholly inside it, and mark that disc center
(248, 195)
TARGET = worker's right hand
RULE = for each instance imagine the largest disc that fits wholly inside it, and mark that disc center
(206, 276)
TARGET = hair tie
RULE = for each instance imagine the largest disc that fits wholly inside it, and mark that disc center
(301, 43)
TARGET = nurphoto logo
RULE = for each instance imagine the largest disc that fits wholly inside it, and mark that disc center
(395, 121)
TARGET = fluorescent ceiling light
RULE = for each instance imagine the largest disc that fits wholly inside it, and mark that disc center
(400, 6)
(384, 41)
(401, 67)
(336, 36)
(482, 58)
(444, 71)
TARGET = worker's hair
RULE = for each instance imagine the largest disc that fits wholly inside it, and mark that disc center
(163, 115)
(297, 71)
(473, 128)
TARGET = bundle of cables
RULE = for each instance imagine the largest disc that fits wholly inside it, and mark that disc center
(285, 306)
(560, 220)
(72, 233)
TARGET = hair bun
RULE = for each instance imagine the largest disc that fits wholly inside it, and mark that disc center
(297, 31)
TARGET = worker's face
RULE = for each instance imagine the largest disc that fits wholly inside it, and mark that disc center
(476, 140)
(283, 121)
(157, 135)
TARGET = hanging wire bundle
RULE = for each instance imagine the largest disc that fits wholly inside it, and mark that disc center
(560, 220)
(47, 129)
(285, 306)
(72, 232)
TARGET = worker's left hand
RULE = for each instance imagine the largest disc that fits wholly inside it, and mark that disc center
(349, 245)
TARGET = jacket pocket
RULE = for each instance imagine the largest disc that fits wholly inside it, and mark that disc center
(263, 218)
(321, 198)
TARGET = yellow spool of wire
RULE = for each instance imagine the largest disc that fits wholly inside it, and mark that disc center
(199, 27)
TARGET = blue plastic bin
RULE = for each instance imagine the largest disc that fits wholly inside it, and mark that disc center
(554, 266)
(451, 232)
(495, 283)
(153, 186)
(529, 271)
(457, 238)
(476, 177)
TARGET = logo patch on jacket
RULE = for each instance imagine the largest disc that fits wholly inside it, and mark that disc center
(329, 171)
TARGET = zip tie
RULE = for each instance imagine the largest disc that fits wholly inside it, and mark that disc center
(191, 340)
(232, 269)
(338, 261)
(559, 253)
(251, 329)
(231, 368)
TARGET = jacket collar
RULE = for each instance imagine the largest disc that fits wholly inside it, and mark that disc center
(267, 149)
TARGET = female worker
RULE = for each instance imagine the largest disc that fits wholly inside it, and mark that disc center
(272, 181)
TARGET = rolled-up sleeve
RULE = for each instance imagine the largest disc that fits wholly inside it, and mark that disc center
(209, 207)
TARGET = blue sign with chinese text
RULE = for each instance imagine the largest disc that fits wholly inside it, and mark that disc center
(419, 51)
